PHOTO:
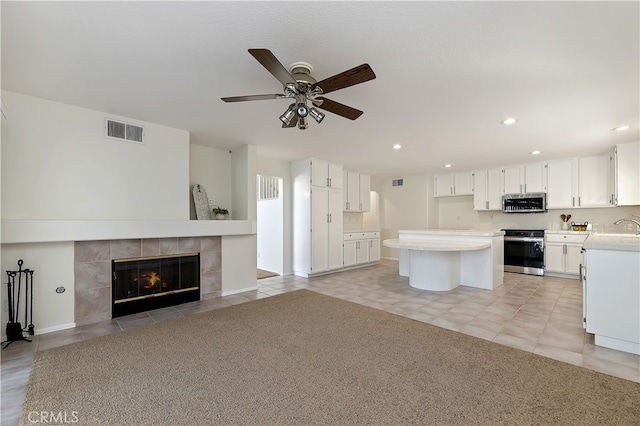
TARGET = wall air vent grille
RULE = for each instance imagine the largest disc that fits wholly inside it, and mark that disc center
(397, 182)
(123, 131)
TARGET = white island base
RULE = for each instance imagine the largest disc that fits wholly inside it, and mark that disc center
(441, 260)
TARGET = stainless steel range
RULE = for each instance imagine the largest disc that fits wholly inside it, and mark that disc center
(524, 251)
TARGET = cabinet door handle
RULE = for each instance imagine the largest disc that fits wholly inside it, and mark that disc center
(520, 188)
(564, 249)
(573, 201)
(579, 201)
(525, 188)
(486, 205)
(360, 206)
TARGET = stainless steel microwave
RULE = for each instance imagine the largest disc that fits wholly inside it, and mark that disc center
(524, 203)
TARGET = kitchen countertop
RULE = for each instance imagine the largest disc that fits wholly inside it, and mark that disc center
(618, 242)
(435, 245)
(566, 232)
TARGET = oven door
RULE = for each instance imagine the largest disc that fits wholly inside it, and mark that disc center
(524, 255)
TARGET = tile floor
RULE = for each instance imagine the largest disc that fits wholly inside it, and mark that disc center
(542, 315)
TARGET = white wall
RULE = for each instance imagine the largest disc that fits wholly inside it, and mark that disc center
(53, 266)
(281, 169)
(57, 164)
(211, 168)
(243, 162)
(410, 206)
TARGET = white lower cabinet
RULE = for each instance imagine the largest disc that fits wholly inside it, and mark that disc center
(612, 298)
(563, 254)
(360, 248)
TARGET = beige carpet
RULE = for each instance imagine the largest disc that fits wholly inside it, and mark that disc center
(305, 358)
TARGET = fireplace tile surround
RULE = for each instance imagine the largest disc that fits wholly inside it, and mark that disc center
(92, 269)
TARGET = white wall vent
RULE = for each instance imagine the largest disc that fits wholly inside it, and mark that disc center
(397, 182)
(123, 131)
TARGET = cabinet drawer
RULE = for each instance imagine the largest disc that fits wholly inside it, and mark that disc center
(566, 238)
(350, 236)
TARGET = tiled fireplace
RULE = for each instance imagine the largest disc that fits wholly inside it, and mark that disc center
(93, 273)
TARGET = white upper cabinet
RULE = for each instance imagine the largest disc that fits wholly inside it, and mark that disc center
(525, 178)
(627, 157)
(365, 192)
(581, 182)
(453, 184)
(325, 174)
(443, 185)
(357, 192)
(594, 181)
(463, 183)
(535, 177)
(513, 179)
(487, 185)
(562, 187)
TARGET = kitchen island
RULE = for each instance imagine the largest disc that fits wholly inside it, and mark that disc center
(442, 259)
(611, 290)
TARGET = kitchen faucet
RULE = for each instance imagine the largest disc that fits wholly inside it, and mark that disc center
(630, 219)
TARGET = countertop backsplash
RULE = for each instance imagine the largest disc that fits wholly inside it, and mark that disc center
(460, 215)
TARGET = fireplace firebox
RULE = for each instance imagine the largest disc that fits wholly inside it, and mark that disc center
(146, 283)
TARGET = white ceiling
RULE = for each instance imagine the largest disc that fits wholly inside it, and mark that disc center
(447, 74)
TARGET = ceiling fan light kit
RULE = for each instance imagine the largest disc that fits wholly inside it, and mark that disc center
(299, 85)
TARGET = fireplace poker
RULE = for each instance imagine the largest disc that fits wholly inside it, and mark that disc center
(31, 326)
(20, 262)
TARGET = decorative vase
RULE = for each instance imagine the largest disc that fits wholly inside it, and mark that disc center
(219, 216)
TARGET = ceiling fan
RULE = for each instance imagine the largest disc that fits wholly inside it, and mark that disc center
(300, 87)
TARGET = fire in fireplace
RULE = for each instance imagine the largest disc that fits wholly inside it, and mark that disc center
(147, 283)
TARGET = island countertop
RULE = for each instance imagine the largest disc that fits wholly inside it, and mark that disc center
(453, 232)
(618, 242)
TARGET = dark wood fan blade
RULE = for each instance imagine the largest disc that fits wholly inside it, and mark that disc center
(251, 98)
(337, 108)
(273, 65)
(293, 123)
(351, 77)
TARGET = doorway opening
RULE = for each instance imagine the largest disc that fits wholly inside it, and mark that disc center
(270, 226)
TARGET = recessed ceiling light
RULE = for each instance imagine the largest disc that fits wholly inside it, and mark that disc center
(621, 128)
(535, 152)
(397, 146)
(447, 165)
(509, 121)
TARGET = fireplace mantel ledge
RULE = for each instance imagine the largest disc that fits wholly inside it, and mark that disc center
(46, 231)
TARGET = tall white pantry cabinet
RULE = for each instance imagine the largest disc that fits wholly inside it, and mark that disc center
(317, 216)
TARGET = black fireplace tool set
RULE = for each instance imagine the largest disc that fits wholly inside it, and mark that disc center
(14, 327)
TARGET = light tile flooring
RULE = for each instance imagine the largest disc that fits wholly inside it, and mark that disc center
(542, 315)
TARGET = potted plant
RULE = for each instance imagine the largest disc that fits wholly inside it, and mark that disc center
(220, 213)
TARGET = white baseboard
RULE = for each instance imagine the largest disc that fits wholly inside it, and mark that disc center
(39, 331)
(55, 328)
(241, 290)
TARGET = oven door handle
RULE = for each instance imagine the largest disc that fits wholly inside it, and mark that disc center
(524, 239)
